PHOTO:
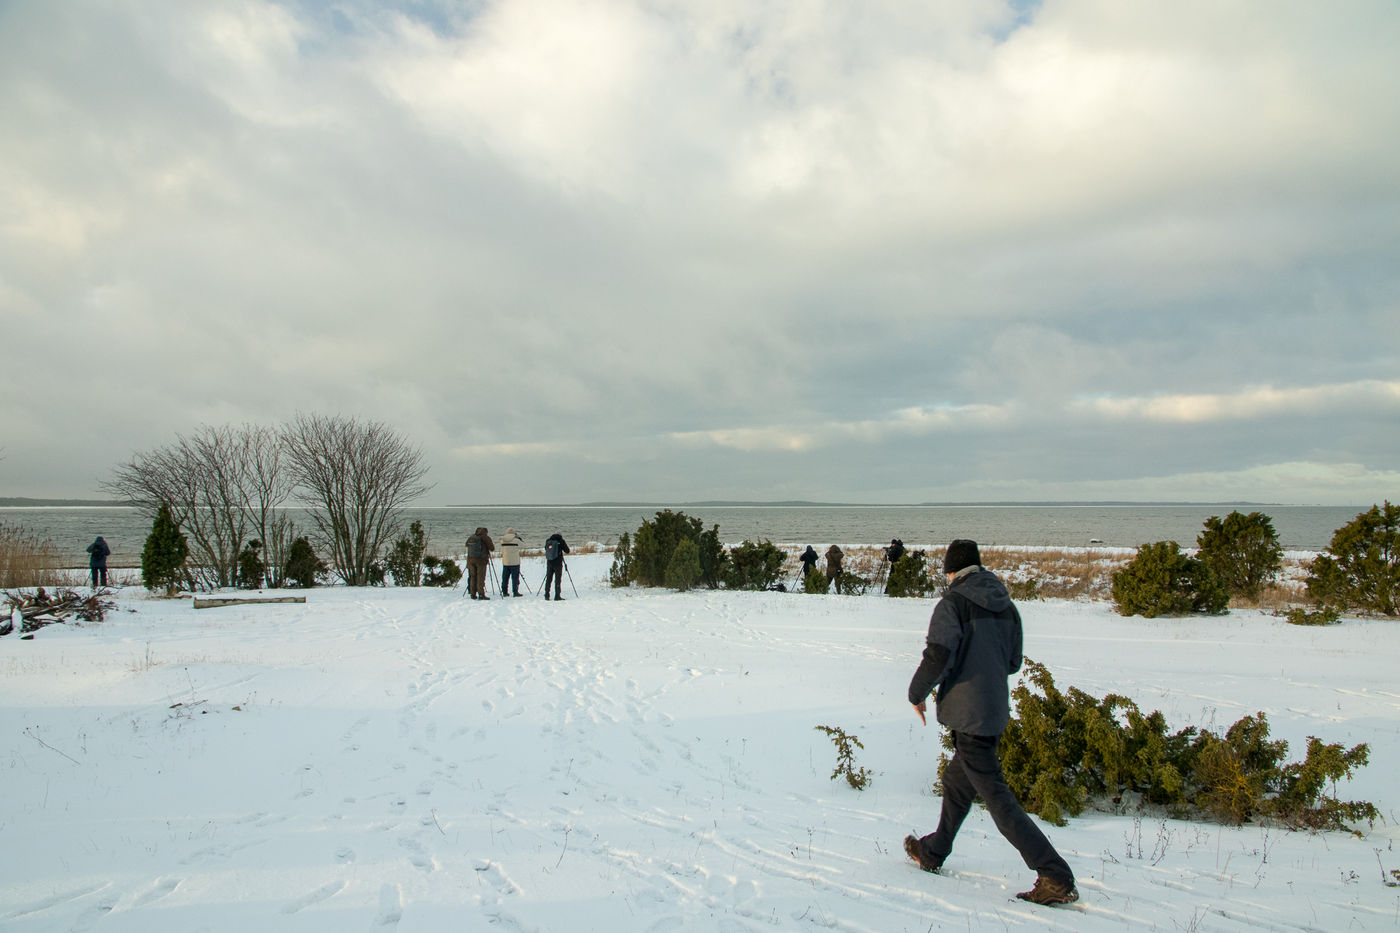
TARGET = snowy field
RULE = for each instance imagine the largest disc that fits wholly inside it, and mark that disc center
(386, 759)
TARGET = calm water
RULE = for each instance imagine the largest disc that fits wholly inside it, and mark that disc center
(1303, 528)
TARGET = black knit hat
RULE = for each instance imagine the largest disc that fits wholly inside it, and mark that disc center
(961, 553)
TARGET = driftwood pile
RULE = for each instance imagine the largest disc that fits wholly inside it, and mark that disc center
(40, 608)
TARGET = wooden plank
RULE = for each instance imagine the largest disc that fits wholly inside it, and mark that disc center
(214, 602)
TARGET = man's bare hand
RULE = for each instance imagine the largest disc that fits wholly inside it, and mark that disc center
(921, 708)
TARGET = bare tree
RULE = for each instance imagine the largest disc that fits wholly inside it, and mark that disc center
(210, 481)
(268, 485)
(199, 477)
(358, 475)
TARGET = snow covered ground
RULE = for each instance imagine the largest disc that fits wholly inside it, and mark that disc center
(386, 759)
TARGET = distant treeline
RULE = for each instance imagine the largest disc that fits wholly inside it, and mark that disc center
(19, 502)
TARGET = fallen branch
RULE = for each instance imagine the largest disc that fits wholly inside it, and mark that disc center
(215, 602)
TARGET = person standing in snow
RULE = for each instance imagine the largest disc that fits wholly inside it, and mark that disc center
(510, 562)
(554, 550)
(809, 561)
(973, 646)
(479, 548)
(97, 560)
(833, 563)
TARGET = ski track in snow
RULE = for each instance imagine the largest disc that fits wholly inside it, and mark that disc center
(411, 761)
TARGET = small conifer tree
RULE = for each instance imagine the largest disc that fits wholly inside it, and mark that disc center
(683, 572)
(1361, 566)
(251, 568)
(1242, 551)
(815, 581)
(303, 565)
(164, 555)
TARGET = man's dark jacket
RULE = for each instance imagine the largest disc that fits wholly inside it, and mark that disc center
(974, 645)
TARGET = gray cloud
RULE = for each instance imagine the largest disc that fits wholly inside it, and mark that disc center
(988, 250)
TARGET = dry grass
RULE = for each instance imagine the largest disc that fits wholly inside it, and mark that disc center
(28, 560)
(1084, 574)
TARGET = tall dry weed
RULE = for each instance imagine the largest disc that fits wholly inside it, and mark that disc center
(28, 560)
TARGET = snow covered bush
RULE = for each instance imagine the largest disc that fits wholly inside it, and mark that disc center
(1361, 567)
(440, 571)
(1162, 581)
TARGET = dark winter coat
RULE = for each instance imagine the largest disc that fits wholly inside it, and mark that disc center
(555, 547)
(809, 560)
(973, 646)
(480, 545)
(98, 551)
(833, 560)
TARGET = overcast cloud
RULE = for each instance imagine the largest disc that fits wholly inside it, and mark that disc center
(876, 252)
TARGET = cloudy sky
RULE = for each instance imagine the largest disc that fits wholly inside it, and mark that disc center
(641, 249)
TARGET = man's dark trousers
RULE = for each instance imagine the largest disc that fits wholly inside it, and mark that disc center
(975, 771)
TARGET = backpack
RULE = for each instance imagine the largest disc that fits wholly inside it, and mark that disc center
(551, 549)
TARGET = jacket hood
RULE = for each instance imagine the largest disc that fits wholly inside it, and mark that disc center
(510, 531)
(984, 589)
(481, 531)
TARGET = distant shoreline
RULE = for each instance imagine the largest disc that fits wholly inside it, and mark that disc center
(20, 502)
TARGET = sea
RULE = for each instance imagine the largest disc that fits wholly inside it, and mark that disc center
(1299, 527)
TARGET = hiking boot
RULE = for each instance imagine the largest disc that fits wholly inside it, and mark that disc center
(1049, 892)
(916, 852)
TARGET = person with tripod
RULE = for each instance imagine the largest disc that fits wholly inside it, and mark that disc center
(479, 548)
(554, 550)
(510, 562)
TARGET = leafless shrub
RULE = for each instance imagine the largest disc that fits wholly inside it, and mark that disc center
(357, 475)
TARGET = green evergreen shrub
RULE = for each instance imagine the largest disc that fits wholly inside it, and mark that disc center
(683, 572)
(909, 576)
(654, 545)
(1242, 551)
(620, 573)
(303, 566)
(251, 568)
(440, 571)
(164, 554)
(1162, 581)
(405, 561)
(850, 584)
(815, 582)
(846, 744)
(753, 566)
(1323, 616)
(1064, 750)
(1361, 567)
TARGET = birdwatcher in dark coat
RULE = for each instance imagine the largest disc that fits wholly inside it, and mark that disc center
(97, 561)
(809, 560)
(833, 562)
(973, 646)
(555, 547)
(479, 548)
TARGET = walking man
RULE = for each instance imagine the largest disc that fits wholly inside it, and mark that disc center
(479, 548)
(974, 645)
(510, 562)
(554, 550)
